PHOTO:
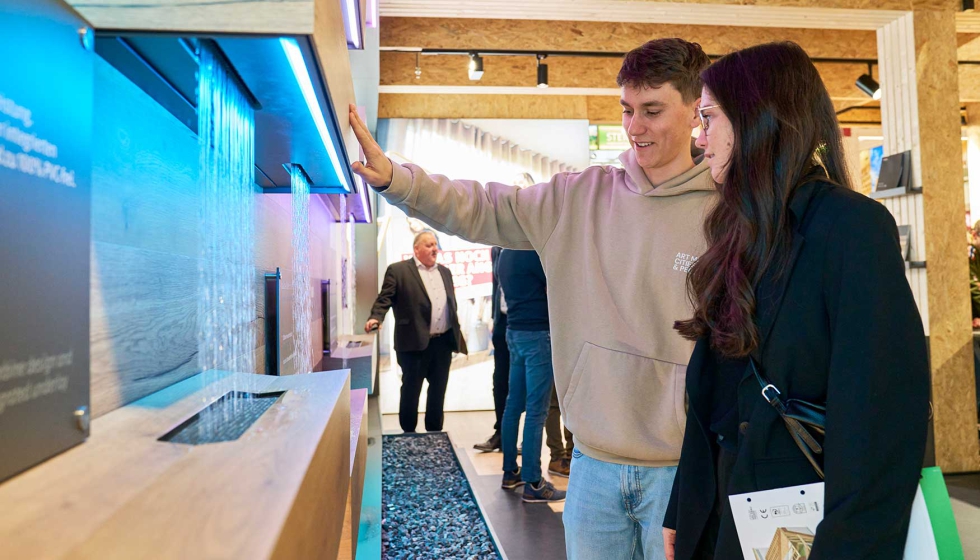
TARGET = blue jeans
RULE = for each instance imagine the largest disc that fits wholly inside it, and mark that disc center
(615, 512)
(531, 382)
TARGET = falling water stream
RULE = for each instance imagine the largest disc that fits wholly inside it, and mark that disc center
(301, 284)
(227, 303)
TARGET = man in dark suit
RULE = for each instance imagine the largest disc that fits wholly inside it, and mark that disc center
(426, 329)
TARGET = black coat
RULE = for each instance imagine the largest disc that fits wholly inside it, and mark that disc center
(404, 292)
(841, 328)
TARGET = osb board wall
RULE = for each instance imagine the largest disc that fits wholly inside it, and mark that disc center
(951, 337)
(398, 68)
(921, 113)
(969, 82)
(146, 247)
(843, 4)
(451, 106)
(466, 33)
(855, 114)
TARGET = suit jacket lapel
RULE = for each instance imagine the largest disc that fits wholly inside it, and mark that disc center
(418, 277)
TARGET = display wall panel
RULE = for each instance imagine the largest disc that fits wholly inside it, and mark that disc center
(45, 197)
(146, 254)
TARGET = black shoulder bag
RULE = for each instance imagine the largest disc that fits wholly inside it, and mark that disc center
(805, 421)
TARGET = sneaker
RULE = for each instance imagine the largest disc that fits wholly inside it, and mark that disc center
(559, 467)
(492, 444)
(511, 479)
(542, 492)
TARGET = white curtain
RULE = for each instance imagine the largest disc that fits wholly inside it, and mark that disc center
(457, 150)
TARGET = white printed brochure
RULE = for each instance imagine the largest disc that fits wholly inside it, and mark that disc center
(784, 518)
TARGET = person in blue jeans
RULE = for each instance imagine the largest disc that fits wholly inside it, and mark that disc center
(617, 245)
(532, 378)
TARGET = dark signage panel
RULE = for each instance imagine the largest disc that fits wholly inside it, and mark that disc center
(46, 84)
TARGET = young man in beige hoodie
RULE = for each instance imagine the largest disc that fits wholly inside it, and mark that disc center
(616, 245)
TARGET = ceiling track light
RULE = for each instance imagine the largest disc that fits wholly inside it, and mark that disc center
(542, 72)
(476, 67)
(869, 85)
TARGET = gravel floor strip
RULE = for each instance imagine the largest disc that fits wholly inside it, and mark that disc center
(428, 508)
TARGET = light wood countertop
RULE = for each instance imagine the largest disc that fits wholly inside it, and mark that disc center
(280, 490)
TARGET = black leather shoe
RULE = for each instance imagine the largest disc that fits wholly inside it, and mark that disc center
(492, 444)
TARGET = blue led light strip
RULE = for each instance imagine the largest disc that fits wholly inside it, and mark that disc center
(296, 62)
(353, 24)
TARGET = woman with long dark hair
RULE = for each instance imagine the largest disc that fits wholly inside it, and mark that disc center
(804, 284)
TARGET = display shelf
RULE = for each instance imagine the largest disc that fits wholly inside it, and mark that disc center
(278, 491)
(891, 193)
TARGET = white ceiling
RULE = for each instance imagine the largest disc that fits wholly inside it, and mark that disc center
(564, 140)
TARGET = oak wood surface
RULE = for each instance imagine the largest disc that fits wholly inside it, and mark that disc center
(124, 494)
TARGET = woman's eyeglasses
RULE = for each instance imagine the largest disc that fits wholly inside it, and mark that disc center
(706, 119)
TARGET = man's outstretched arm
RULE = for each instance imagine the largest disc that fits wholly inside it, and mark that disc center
(496, 214)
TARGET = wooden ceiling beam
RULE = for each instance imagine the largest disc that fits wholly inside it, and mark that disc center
(463, 33)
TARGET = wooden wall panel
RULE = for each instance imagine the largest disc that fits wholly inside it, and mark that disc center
(969, 83)
(398, 68)
(597, 109)
(143, 323)
(609, 36)
(968, 46)
(604, 110)
(802, 14)
(392, 106)
(860, 116)
(842, 4)
(145, 205)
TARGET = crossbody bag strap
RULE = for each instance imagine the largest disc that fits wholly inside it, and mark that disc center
(804, 440)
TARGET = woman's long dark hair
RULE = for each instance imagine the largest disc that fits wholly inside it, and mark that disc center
(784, 126)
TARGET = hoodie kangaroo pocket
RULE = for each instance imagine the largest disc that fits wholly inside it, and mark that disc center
(627, 405)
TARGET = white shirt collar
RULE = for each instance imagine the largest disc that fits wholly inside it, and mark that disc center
(419, 264)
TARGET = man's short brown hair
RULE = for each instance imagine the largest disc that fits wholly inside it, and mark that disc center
(665, 61)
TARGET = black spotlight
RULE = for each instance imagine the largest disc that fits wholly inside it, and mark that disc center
(868, 85)
(476, 66)
(542, 72)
